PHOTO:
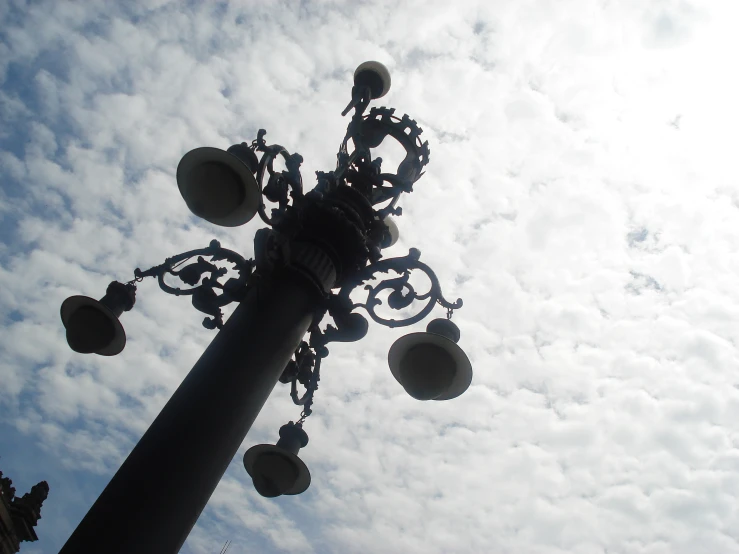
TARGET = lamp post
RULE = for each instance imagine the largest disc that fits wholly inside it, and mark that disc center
(319, 247)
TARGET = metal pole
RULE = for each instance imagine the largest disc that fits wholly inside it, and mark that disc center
(155, 498)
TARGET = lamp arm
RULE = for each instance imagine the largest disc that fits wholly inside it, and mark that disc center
(203, 276)
(402, 292)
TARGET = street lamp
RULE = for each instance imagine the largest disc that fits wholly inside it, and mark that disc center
(319, 247)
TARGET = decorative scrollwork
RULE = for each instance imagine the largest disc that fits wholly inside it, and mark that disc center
(350, 327)
(305, 369)
(280, 185)
(204, 296)
(402, 292)
(358, 167)
(346, 209)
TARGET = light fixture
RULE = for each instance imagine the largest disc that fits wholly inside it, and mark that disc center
(375, 76)
(430, 365)
(218, 185)
(276, 469)
(92, 325)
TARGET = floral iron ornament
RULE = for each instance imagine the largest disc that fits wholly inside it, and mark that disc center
(403, 294)
(203, 276)
(334, 235)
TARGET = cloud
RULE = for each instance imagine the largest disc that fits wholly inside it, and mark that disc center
(592, 241)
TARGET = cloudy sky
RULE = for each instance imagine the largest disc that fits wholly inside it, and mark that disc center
(581, 198)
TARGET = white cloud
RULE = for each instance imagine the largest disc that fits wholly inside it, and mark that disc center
(581, 199)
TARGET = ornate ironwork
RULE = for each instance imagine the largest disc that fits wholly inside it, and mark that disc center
(280, 184)
(305, 367)
(368, 132)
(203, 291)
(403, 293)
(306, 370)
(320, 246)
(360, 172)
(342, 217)
(356, 169)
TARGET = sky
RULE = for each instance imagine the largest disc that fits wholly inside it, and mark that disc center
(581, 198)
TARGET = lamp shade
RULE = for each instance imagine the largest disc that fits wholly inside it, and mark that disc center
(276, 469)
(430, 365)
(218, 186)
(375, 76)
(92, 325)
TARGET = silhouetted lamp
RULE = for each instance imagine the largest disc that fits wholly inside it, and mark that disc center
(219, 185)
(92, 325)
(430, 365)
(375, 76)
(276, 469)
(327, 239)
